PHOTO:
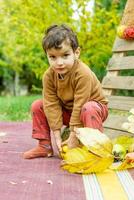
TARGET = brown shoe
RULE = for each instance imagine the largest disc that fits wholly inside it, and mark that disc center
(39, 151)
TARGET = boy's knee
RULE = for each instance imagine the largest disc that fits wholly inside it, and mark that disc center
(37, 105)
(89, 106)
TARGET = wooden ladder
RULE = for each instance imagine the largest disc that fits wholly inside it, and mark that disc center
(119, 105)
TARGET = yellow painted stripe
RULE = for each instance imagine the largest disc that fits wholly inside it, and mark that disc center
(110, 186)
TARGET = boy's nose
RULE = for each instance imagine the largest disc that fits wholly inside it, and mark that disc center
(59, 61)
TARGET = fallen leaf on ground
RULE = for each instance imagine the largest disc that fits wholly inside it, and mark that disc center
(13, 183)
(2, 134)
(49, 182)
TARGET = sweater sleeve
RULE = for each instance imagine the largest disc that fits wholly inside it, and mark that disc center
(83, 89)
(51, 104)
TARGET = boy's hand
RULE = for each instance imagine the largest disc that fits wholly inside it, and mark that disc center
(72, 141)
(58, 140)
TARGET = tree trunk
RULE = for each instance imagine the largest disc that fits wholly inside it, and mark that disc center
(16, 84)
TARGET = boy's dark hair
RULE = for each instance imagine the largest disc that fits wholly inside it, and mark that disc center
(56, 34)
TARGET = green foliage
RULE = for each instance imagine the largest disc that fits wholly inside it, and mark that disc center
(22, 25)
(108, 3)
(97, 43)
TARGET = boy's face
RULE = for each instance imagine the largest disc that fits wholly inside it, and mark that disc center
(62, 60)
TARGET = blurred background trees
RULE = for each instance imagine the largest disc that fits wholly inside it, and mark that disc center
(22, 25)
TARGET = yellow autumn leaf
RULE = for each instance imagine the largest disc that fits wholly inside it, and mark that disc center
(80, 160)
(77, 155)
(99, 165)
(122, 165)
(96, 142)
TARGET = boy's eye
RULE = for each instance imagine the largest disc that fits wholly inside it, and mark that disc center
(65, 55)
(52, 57)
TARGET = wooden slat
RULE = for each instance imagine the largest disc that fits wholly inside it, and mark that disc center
(115, 122)
(119, 82)
(112, 81)
(115, 133)
(113, 73)
(119, 63)
(122, 45)
(123, 103)
(110, 91)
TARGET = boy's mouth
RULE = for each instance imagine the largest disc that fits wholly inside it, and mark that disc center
(59, 68)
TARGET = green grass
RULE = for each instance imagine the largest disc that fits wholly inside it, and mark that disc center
(16, 108)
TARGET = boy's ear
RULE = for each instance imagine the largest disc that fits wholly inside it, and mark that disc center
(77, 53)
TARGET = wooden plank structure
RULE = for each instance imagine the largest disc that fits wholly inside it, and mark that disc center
(115, 80)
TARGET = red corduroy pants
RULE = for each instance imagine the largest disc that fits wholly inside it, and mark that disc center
(93, 114)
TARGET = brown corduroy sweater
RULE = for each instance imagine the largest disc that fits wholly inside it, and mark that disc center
(79, 86)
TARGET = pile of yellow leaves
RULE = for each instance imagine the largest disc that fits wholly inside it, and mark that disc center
(93, 155)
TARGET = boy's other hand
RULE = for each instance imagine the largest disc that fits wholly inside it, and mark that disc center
(72, 141)
(58, 140)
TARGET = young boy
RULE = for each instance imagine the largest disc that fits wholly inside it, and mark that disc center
(72, 94)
